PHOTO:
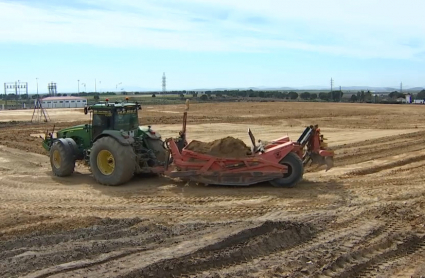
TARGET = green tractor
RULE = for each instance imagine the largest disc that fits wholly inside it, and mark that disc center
(113, 145)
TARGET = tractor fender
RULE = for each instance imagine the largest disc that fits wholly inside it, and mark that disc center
(70, 144)
(117, 136)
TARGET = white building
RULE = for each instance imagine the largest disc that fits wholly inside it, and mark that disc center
(63, 102)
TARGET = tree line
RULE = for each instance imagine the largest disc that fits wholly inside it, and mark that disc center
(336, 96)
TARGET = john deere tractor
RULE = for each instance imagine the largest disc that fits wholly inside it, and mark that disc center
(113, 144)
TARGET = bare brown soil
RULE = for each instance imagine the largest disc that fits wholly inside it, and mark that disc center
(224, 147)
(363, 218)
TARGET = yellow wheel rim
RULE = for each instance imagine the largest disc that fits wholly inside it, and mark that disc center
(56, 159)
(105, 162)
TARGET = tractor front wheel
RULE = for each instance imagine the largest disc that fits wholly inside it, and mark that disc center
(62, 159)
(112, 163)
(295, 171)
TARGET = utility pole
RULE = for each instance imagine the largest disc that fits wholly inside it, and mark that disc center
(332, 84)
(95, 85)
(37, 85)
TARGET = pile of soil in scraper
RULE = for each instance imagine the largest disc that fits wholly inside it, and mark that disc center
(226, 147)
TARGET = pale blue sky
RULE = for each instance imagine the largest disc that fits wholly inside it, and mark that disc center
(212, 43)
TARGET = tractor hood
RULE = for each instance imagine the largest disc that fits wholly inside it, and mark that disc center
(149, 132)
(70, 129)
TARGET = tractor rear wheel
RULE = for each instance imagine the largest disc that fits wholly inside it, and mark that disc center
(62, 159)
(112, 163)
(157, 146)
(295, 171)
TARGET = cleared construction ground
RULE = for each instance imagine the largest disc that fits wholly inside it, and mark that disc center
(363, 218)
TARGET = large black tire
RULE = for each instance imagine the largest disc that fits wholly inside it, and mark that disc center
(157, 146)
(121, 157)
(62, 159)
(295, 171)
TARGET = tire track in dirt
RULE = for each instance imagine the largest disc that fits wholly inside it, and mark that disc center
(294, 259)
(32, 252)
(331, 249)
(415, 157)
(393, 241)
(367, 262)
(174, 260)
(249, 244)
(386, 140)
(405, 267)
(115, 211)
(377, 153)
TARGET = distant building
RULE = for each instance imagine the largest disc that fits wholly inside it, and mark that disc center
(63, 102)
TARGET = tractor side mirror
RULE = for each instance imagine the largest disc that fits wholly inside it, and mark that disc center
(86, 127)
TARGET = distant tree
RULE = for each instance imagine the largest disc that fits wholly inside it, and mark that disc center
(11, 96)
(153, 95)
(293, 95)
(204, 97)
(313, 96)
(96, 97)
(218, 94)
(305, 95)
(242, 93)
(181, 95)
(362, 96)
(395, 94)
(335, 96)
(324, 96)
(420, 95)
(368, 96)
(354, 98)
(261, 94)
(277, 94)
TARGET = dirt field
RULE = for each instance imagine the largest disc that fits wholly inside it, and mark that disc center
(363, 218)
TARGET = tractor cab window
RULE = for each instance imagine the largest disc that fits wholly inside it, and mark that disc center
(126, 119)
(101, 121)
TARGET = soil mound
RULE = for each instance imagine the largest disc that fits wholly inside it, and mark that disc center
(226, 147)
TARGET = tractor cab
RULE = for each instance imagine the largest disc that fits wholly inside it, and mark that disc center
(114, 116)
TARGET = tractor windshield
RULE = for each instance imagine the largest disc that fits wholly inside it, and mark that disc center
(126, 119)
